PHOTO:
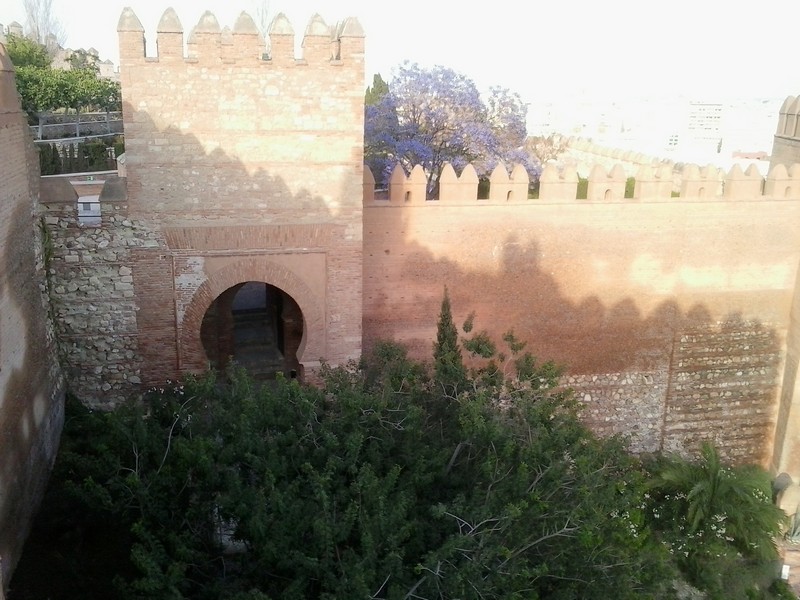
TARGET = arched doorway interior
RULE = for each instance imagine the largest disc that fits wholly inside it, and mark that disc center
(257, 325)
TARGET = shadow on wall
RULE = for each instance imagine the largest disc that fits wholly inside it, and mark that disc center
(175, 177)
(673, 376)
(31, 401)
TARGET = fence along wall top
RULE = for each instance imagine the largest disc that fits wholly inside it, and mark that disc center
(244, 43)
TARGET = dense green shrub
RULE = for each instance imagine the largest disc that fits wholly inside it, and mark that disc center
(719, 522)
(393, 479)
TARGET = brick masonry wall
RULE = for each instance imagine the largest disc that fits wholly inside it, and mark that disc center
(723, 389)
(670, 316)
(248, 170)
(31, 394)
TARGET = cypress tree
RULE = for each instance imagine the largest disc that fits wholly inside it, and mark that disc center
(69, 167)
(58, 166)
(44, 160)
(81, 164)
(448, 363)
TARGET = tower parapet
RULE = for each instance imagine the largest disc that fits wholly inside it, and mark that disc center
(205, 39)
(132, 44)
(208, 42)
(169, 39)
(247, 40)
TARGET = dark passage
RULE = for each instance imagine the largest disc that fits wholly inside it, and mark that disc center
(257, 325)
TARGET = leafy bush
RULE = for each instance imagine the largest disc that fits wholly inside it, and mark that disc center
(378, 484)
(719, 522)
(394, 479)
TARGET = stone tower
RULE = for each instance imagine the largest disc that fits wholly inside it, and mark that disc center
(244, 167)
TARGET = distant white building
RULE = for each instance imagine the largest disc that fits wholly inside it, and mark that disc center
(681, 129)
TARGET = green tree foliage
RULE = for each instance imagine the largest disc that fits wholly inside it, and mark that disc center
(47, 89)
(69, 162)
(49, 160)
(630, 187)
(719, 521)
(448, 364)
(39, 88)
(582, 193)
(376, 91)
(381, 483)
(25, 52)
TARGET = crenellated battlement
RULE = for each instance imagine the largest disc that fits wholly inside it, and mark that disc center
(219, 95)
(624, 156)
(207, 42)
(652, 184)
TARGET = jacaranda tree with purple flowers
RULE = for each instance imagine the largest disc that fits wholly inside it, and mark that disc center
(433, 116)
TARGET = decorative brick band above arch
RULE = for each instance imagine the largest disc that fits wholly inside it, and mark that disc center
(313, 346)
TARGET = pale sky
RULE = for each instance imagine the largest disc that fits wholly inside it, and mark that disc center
(577, 49)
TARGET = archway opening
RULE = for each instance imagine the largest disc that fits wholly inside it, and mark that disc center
(256, 325)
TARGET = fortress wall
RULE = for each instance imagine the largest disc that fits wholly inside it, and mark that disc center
(31, 395)
(92, 292)
(583, 155)
(239, 167)
(225, 133)
(670, 313)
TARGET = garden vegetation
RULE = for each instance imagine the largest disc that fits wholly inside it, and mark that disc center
(471, 477)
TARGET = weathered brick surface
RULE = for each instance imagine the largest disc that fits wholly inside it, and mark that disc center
(244, 169)
(723, 387)
(31, 394)
(670, 315)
